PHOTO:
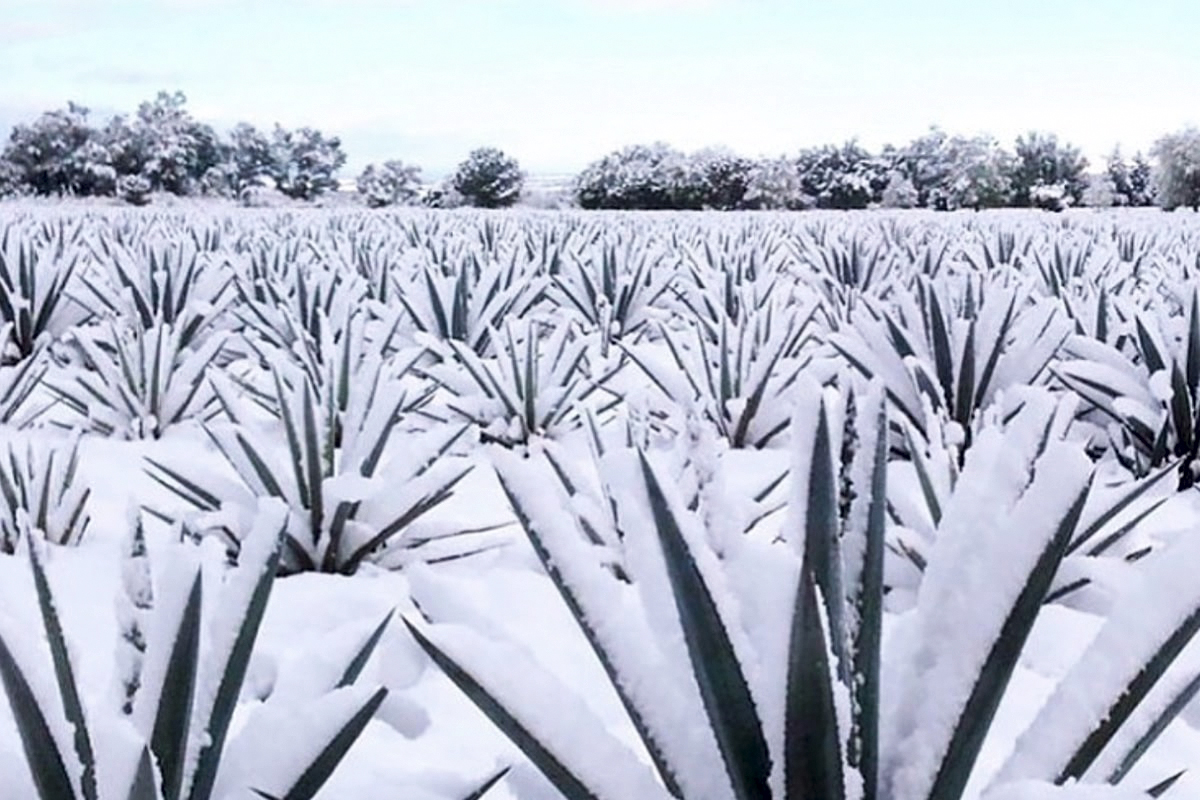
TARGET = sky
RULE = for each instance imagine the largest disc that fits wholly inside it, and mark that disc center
(558, 84)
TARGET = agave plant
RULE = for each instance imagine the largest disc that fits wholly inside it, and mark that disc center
(954, 353)
(137, 382)
(924, 486)
(180, 699)
(180, 285)
(536, 385)
(35, 282)
(465, 304)
(40, 490)
(1148, 386)
(615, 290)
(353, 495)
(800, 699)
(738, 382)
(18, 382)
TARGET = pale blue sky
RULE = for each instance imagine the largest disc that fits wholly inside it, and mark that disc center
(560, 82)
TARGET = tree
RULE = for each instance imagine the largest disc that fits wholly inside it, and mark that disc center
(774, 184)
(393, 182)
(1132, 182)
(60, 153)
(489, 178)
(640, 176)
(304, 162)
(247, 159)
(164, 144)
(1048, 174)
(1177, 169)
(950, 172)
(845, 177)
(716, 178)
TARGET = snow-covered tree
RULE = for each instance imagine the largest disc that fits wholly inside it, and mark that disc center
(1177, 169)
(60, 153)
(304, 162)
(1047, 173)
(247, 159)
(842, 177)
(775, 183)
(949, 172)
(390, 183)
(640, 176)
(489, 178)
(164, 144)
(899, 192)
(718, 178)
(1132, 179)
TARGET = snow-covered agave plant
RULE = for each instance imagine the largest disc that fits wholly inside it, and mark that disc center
(41, 491)
(335, 357)
(739, 378)
(730, 283)
(1148, 389)
(182, 286)
(760, 671)
(536, 385)
(136, 382)
(953, 352)
(614, 290)
(36, 278)
(468, 302)
(355, 484)
(177, 698)
(18, 382)
(1028, 419)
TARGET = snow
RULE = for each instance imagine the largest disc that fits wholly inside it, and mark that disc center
(500, 613)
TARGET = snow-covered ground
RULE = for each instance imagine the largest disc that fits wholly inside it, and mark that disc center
(501, 341)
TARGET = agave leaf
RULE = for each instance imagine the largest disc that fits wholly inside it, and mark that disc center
(1164, 786)
(355, 667)
(547, 763)
(573, 604)
(975, 718)
(723, 687)
(64, 673)
(168, 739)
(868, 605)
(318, 771)
(1130, 697)
(233, 674)
(812, 742)
(144, 786)
(1172, 710)
(487, 785)
(41, 751)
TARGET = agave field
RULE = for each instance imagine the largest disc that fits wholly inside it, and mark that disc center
(451, 505)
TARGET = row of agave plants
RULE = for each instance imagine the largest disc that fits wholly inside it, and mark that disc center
(956, 392)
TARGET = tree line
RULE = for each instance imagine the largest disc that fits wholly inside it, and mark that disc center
(163, 148)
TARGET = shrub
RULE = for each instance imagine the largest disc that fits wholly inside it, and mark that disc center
(489, 178)
(247, 160)
(950, 172)
(394, 182)
(134, 189)
(775, 184)
(1177, 171)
